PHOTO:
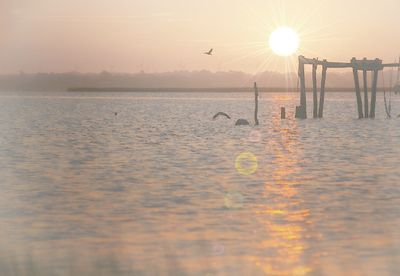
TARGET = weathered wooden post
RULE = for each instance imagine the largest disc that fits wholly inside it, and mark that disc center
(315, 93)
(398, 78)
(301, 111)
(366, 102)
(357, 87)
(256, 104)
(322, 95)
(283, 113)
(377, 66)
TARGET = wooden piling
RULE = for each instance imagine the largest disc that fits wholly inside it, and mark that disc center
(300, 112)
(283, 113)
(366, 102)
(315, 93)
(373, 93)
(256, 104)
(303, 97)
(357, 87)
(322, 95)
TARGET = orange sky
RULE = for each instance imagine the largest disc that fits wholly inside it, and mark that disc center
(156, 36)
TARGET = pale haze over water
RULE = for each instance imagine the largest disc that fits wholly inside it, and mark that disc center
(155, 190)
(159, 36)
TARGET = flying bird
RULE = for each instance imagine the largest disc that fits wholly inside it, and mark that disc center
(209, 52)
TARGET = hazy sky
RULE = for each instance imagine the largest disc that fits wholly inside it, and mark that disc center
(168, 35)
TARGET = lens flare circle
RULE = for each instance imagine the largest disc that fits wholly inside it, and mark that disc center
(284, 41)
(246, 163)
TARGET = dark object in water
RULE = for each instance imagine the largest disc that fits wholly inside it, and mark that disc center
(300, 112)
(116, 113)
(256, 104)
(283, 113)
(242, 122)
(221, 114)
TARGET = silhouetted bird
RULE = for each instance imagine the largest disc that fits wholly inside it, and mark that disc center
(115, 113)
(221, 114)
(209, 52)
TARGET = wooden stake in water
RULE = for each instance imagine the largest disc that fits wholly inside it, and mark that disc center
(303, 96)
(322, 96)
(357, 87)
(366, 101)
(256, 104)
(315, 93)
(373, 93)
(283, 113)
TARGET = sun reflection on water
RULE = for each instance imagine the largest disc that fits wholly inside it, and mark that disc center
(285, 219)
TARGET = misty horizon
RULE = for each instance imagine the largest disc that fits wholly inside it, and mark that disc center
(178, 79)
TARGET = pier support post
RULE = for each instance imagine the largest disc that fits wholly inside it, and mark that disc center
(315, 93)
(322, 95)
(301, 111)
(373, 93)
(357, 87)
(366, 102)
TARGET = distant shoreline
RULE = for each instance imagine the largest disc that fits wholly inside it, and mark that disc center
(198, 90)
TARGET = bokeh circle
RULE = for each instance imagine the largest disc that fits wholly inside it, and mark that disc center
(246, 163)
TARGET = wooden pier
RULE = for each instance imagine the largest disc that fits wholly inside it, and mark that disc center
(364, 65)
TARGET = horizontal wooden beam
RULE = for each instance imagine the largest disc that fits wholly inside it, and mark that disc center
(359, 64)
(338, 65)
(325, 63)
(391, 65)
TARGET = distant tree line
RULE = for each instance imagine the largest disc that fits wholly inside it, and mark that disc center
(195, 80)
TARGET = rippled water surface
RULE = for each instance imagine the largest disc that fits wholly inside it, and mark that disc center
(161, 189)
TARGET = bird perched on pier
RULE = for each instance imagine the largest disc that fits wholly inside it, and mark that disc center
(209, 53)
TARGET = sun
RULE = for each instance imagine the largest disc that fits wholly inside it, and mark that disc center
(284, 41)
